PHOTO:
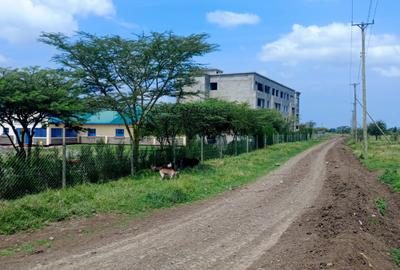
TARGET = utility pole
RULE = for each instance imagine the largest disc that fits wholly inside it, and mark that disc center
(355, 112)
(363, 27)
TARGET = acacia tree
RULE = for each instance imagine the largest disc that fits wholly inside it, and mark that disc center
(30, 96)
(131, 75)
(377, 129)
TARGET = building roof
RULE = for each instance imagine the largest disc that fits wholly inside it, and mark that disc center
(104, 118)
(100, 118)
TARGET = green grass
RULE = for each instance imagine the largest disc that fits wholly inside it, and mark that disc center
(143, 193)
(383, 157)
(26, 248)
(381, 205)
(396, 255)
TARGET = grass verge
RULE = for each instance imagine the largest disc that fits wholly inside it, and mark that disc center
(145, 192)
(396, 255)
(383, 157)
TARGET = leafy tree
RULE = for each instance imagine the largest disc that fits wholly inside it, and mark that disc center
(164, 122)
(376, 129)
(344, 130)
(132, 75)
(30, 96)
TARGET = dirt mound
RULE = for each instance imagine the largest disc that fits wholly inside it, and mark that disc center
(344, 229)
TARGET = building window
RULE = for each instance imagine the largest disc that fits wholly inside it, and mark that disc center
(71, 133)
(281, 94)
(273, 91)
(6, 131)
(40, 132)
(92, 132)
(277, 92)
(119, 132)
(267, 88)
(56, 132)
(260, 87)
(268, 104)
(277, 106)
(260, 102)
(213, 86)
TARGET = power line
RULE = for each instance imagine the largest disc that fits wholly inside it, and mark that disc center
(370, 31)
(369, 10)
(372, 26)
(351, 45)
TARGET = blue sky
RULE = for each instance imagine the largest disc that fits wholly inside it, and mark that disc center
(302, 43)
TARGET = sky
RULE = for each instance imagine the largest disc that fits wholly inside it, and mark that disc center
(304, 44)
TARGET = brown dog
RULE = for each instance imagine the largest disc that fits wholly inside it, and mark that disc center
(167, 172)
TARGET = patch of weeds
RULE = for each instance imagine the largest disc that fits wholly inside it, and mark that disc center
(375, 221)
(167, 197)
(7, 252)
(381, 204)
(27, 248)
(391, 177)
(396, 255)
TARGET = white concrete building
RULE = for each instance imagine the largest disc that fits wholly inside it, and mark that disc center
(252, 88)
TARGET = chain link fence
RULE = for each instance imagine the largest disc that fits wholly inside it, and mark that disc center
(50, 168)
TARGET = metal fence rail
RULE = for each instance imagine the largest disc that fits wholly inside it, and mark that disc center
(98, 163)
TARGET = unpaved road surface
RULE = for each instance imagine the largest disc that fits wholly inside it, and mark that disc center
(314, 212)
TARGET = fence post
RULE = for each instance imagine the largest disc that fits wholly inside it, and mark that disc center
(220, 146)
(202, 149)
(247, 143)
(64, 160)
(265, 140)
(173, 151)
(235, 143)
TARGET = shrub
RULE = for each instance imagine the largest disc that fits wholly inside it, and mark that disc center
(381, 204)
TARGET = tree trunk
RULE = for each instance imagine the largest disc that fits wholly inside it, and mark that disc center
(135, 150)
(235, 144)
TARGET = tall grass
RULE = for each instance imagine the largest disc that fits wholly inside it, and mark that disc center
(145, 192)
(382, 157)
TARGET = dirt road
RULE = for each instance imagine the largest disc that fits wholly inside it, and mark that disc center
(230, 232)
(314, 212)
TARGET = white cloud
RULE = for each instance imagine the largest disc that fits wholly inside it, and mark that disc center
(391, 71)
(231, 19)
(22, 20)
(329, 44)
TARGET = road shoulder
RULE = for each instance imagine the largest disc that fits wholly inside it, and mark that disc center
(343, 230)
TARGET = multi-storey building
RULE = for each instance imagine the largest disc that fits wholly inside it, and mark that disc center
(252, 88)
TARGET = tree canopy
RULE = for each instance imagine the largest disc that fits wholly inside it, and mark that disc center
(30, 96)
(132, 75)
(376, 129)
(211, 118)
